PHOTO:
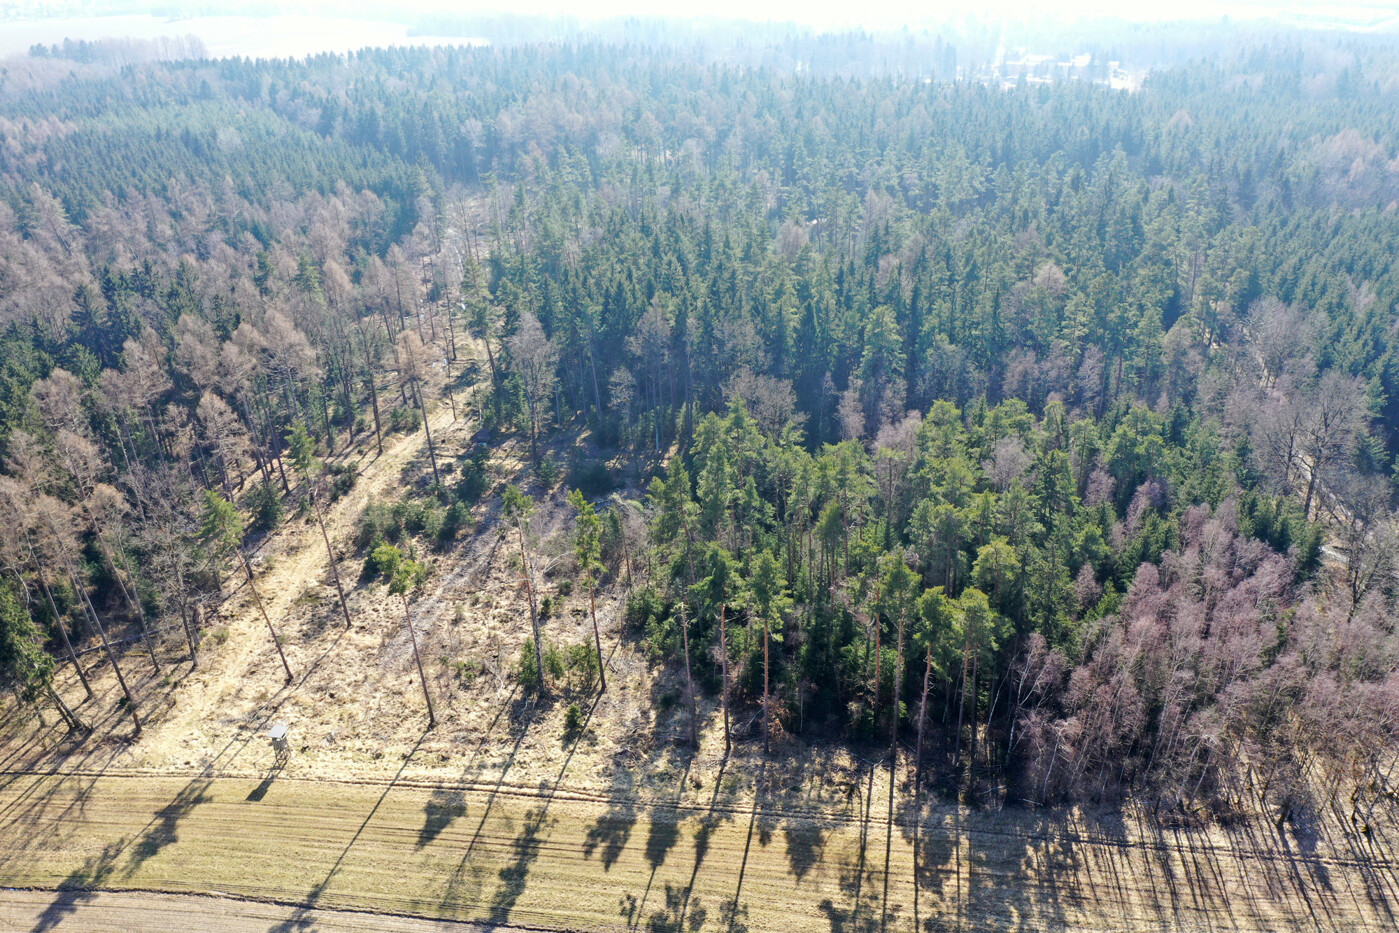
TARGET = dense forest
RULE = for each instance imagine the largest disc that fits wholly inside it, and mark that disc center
(1044, 435)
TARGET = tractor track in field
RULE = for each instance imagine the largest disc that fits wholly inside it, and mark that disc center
(160, 912)
(556, 858)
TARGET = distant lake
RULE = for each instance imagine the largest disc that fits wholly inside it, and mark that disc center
(224, 36)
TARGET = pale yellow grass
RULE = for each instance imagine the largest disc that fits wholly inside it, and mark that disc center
(566, 858)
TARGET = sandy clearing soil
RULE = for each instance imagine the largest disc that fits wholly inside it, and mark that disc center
(126, 911)
(561, 858)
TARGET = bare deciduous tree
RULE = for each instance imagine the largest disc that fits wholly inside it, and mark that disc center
(533, 355)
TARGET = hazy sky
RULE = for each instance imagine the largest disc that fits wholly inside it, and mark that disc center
(903, 12)
(821, 13)
(343, 25)
(895, 13)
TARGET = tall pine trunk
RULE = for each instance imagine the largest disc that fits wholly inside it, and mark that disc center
(431, 448)
(922, 719)
(724, 662)
(252, 588)
(107, 647)
(533, 612)
(597, 638)
(330, 553)
(58, 620)
(418, 659)
(689, 680)
(767, 697)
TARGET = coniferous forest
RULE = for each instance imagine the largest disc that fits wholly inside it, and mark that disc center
(1041, 438)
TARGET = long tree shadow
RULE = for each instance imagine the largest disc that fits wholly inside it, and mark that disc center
(806, 845)
(457, 882)
(680, 905)
(674, 915)
(32, 747)
(167, 820)
(612, 830)
(523, 729)
(162, 830)
(1365, 840)
(513, 877)
(156, 835)
(851, 871)
(662, 834)
(303, 918)
(79, 887)
(526, 846)
(443, 808)
(733, 911)
(29, 805)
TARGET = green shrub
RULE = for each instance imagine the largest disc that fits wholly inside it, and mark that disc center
(572, 719)
(643, 604)
(474, 479)
(418, 517)
(591, 476)
(342, 480)
(405, 420)
(528, 669)
(582, 662)
(547, 472)
(381, 562)
(455, 520)
(376, 525)
(465, 671)
(265, 506)
(554, 663)
(648, 614)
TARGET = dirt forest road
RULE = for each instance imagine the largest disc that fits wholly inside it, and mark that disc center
(550, 858)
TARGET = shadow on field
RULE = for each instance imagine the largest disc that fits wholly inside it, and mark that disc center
(162, 830)
(303, 918)
(166, 823)
(465, 881)
(806, 844)
(852, 870)
(442, 809)
(663, 833)
(78, 888)
(609, 834)
(526, 845)
(681, 910)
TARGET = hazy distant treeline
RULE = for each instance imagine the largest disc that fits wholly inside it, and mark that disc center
(124, 51)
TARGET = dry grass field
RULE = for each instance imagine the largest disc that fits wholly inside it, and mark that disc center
(567, 858)
(500, 817)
